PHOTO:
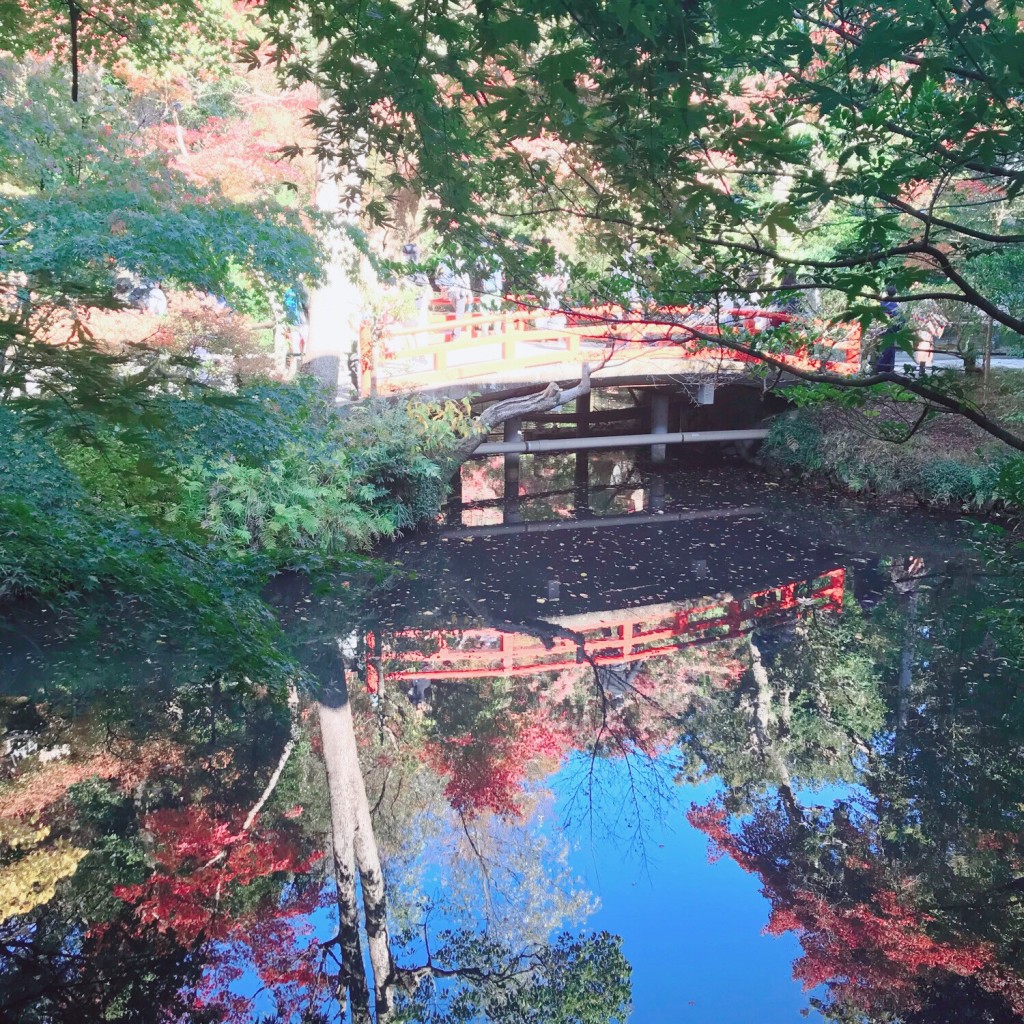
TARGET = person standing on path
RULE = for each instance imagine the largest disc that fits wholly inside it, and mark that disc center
(551, 283)
(886, 360)
(418, 281)
(156, 301)
(453, 276)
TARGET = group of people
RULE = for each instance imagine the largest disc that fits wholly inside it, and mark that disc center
(146, 296)
(461, 279)
(478, 284)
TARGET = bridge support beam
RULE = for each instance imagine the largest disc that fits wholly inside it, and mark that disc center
(513, 437)
(656, 494)
(659, 424)
(583, 415)
(453, 508)
(581, 485)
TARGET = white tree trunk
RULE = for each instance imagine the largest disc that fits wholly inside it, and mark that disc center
(335, 305)
(354, 846)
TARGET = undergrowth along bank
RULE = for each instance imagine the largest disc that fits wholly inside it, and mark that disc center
(883, 448)
(182, 507)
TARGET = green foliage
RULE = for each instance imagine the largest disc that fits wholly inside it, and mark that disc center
(153, 34)
(573, 980)
(86, 194)
(335, 485)
(815, 442)
(819, 130)
(795, 442)
(183, 502)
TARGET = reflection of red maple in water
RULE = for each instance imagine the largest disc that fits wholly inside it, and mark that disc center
(486, 773)
(280, 948)
(198, 859)
(873, 953)
(200, 862)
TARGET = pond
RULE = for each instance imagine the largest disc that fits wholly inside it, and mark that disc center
(663, 746)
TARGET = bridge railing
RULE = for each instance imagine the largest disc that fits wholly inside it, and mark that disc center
(610, 638)
(477, 346)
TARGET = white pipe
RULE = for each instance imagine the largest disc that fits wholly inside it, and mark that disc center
(569, 444)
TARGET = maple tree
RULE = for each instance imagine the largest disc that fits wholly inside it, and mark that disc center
(97, 165)
(487, 764)
(869, 945)
(749, 151)
(899, 890)
(198, 859)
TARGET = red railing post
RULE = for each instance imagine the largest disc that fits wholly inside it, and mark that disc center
(372, 664)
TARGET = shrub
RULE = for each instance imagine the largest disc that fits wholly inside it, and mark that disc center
(794, 442)
(844, 446)
(185, 511)
(946, 480)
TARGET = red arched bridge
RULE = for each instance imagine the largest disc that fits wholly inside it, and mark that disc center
(610, 638)
(532, 344)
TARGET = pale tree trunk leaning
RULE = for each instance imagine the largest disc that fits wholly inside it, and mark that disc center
(354, 847)
(511, 408)
(335, 305)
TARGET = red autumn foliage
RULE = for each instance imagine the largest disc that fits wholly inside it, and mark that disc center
(486, 772)
(280, 948)
(197, 859)
(874, 952)
(873, 955)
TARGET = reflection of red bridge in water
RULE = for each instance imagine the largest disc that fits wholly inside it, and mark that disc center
(611, 638)
(503, 347)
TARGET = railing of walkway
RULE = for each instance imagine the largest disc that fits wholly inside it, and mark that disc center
(611, 638)
(481, 347)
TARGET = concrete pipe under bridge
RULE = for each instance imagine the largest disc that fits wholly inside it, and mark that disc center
(655, 438)
(694, 411)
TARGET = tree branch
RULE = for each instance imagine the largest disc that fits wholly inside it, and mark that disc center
(939, 222)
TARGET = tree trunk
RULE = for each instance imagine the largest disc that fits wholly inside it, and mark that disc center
(335, 305)
(762, 730)
(337, 734)
(354, 846)
(375, 908)
(495, 415)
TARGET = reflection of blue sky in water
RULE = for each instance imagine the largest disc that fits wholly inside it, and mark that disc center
(691, 930)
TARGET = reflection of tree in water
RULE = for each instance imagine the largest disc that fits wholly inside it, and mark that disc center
(173, 859)
(104, 939)
(904, 892)
(491, 974)
(182, 876)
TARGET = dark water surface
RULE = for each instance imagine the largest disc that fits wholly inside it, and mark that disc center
(686, 746)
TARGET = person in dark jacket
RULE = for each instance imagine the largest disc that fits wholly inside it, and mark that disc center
(886, 361)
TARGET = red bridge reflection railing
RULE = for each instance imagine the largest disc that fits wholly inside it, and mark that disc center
(611, 638)
(478, 347)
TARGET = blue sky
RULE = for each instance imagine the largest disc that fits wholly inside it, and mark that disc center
(691, 930)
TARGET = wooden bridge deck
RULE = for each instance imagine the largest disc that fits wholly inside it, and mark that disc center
(540, 345)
